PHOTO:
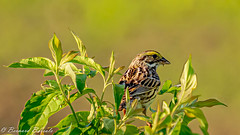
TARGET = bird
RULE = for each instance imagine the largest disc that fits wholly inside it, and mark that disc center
(142, 80)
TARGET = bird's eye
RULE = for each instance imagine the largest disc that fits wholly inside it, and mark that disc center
(154, 56)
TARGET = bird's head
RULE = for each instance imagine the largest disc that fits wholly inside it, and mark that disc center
(149, 58)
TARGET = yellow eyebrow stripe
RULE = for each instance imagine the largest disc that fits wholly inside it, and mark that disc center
(151, 53)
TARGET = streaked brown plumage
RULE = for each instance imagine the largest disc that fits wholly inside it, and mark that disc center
(141, 78)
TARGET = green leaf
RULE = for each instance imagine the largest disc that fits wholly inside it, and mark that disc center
(168, 88)
(70, 120)
(134, 111)
(162, 121)
(69, 56)
(187, 120)
(191, 100)
(35, 62)
(176, 129)
(65, 131)
(148, 131)
(69, 72)
(42, 105)
(112, 63)
(90, 73)
(88, 62)
(50, 73)
(185, 130)
(93, 128)
(118, 91)
(156, 119)
(39, 108)
(92, 111)
(188, 81)
(69, 69)
(174, 89)
(104, 111)
(127, 96)
(76, 95)
(172, 104)
(131, 130)
(196, 112)
(81, 47)
(143, 118)
(116, 71)
(166, 122)
(76, 131)
(56, 49)
(71, 131)
(208, 103)
(51, 83)
(132, 107)
(120, 132)
(167, 85)
(80, 81)
(165, 107)
(111, 67)
(130, 121)
(152, 110)
(108, 125)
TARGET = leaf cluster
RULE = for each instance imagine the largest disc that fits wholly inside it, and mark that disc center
(174, 118)
(104, 118)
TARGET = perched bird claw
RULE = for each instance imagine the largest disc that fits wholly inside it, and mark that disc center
(149, 124)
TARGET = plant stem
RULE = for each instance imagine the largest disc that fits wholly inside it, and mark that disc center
(104, 88)
(174, 109)
(115, 125)
(65, 97)
(120, 124)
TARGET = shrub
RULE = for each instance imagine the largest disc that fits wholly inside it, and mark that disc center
(170, 118)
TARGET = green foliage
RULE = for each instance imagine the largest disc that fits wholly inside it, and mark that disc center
(169, 118)
(118, 91)
(35, 62)
(56, 49)
(69, 120)
(88, 62)
(39, 108)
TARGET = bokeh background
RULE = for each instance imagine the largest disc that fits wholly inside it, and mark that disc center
(209, 30)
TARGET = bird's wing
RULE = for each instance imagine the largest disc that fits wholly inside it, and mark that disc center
(128, 75)
(145, 85)
(137, 83)
(134, 79)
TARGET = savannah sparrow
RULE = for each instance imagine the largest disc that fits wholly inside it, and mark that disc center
(141, 79)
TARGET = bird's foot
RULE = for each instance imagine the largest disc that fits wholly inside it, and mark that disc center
(124, 111)
(149, 124)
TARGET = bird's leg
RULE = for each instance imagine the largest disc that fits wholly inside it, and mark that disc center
(145, 113)
(124, 111)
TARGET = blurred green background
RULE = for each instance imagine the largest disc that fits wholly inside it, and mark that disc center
(209, 30)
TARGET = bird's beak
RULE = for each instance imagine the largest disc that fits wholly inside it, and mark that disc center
(164, 61)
